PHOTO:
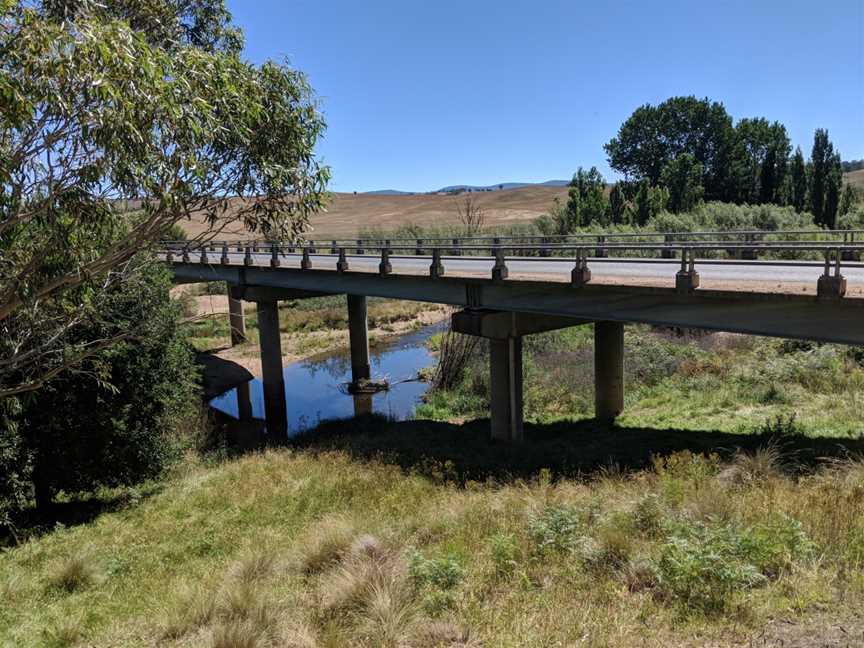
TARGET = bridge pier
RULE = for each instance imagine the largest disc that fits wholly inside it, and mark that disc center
(275, 410)
(505, 366)
(358, 334)
(608, 370)
(236, 317)
(505, 331)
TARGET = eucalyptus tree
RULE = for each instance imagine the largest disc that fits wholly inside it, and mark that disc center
(119, 120)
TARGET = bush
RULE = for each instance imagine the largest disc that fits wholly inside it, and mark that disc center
(703, 564)
(556, 528)
(114, 420)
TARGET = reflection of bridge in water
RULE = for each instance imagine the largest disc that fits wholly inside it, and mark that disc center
(741, 282)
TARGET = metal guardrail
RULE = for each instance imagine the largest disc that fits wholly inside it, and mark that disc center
(744, 252)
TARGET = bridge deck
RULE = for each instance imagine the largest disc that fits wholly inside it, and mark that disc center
(759, 297)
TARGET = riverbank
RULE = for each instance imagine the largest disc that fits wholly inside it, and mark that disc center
(308, 327)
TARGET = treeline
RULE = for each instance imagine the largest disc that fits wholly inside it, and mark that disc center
(686, 150)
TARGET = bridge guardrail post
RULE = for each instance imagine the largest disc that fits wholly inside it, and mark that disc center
(687, 279)
(274, 255)
(418, 249)
(360, 249)
(305, 262)
(850, 255)
(667, 253)
(185, 254)
(204, 258)
(224, 260)
(749, 254)
(247, 256)
(333, 248)
(169, 255)
(312, 248)
(581, 274)
(385, 267)
(831, 286)
(456, 251)
(342, 263)
(544, 247)
(499, 270)
(436, 270)
(601, 252)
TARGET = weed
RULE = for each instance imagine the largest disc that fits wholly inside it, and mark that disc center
(556, 529)
(504, 550)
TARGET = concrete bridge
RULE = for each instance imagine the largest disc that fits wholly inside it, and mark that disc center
(507, 289)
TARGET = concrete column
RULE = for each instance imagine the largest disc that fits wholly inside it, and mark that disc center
(244, 402)
(359, 336)
(275, 411)
(236, 318)
(608, 370)
(505, 364)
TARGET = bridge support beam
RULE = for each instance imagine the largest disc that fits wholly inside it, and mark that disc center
(505, 364)
(275, 411)
(608, 370)
(358, 333)
(505, 330)
(236, 317)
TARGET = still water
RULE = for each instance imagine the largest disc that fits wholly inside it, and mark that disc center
(315, 388)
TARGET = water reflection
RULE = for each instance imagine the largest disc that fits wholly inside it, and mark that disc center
(314, 391)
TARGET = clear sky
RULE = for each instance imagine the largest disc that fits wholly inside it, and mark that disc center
(423, 94)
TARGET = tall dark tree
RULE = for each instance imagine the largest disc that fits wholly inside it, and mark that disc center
(648, 201)
(798, 181)
(848, 200)
(759, 161)
(825, 179)
(653, 136)
(617, 203)
(586, 204)
(682, 177)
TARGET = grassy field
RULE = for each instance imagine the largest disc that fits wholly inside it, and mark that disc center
(350, 214)
(336, 544)
(709, 516)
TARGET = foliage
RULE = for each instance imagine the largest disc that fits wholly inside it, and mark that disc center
(141, 105)
(703, 564)
(648, 202)
(587, 204)
(556, 529)
(759, 161)
(683, 179)
(797, 190)
(825, 179)
(118, 418)
(654, 136)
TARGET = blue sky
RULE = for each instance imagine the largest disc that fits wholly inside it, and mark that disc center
(422, 94)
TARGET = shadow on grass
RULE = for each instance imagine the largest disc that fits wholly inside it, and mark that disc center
(584, 449)
(33, 522)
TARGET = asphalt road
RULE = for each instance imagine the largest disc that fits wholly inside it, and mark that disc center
(737, 272)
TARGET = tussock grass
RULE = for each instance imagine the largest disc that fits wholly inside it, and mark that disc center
(73, 573)
(631, 556)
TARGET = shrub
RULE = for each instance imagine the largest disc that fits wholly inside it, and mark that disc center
(116, 420)
(442, 573)
(700, 566)
(703, 564)
(505, 553)
(556, 529)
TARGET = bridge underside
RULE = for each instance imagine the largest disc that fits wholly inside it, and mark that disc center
(505, 311)
(785, 316)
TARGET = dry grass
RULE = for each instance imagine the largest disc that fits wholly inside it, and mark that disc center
(73, 573)
(347, 213)
(201, 564)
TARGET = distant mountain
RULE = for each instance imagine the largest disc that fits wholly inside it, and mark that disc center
(388, 192)
(503, 185)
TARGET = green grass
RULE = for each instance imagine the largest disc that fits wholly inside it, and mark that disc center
(325, 546)
(304, 316)
(726, 383)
